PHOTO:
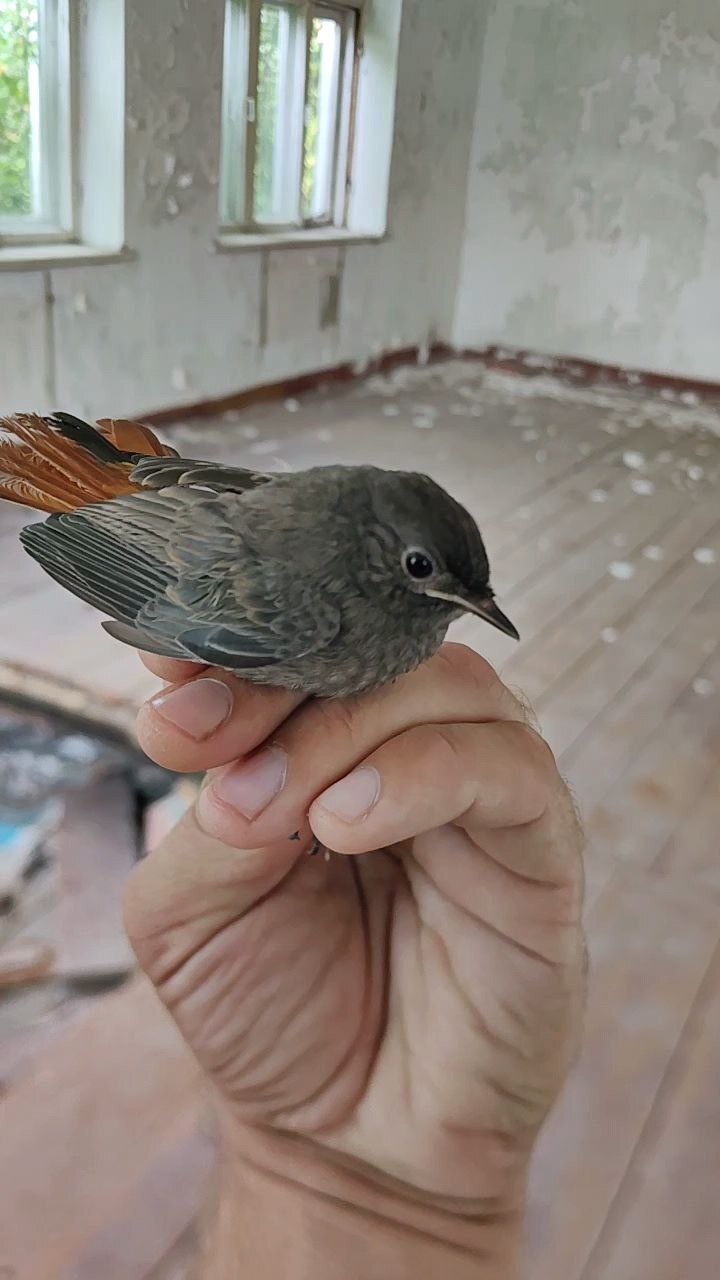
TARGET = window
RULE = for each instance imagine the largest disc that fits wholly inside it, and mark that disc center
(289, 88)
(35, 153)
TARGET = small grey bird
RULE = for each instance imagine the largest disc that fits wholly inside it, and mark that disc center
(332, 580)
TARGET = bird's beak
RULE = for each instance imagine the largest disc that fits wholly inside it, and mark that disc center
(488, 610)
(485, 608)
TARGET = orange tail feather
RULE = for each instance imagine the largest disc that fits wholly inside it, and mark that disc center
(133, 437)
(43, 469)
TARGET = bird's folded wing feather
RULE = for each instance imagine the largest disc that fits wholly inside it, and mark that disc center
(158, 473)
(167, 566)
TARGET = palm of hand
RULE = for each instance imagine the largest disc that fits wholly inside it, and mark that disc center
(413, 1007)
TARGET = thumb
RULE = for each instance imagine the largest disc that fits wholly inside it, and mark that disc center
(192, 885)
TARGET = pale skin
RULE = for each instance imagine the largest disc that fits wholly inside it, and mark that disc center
(385, 1030)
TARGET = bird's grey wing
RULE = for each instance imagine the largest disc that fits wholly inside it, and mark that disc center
(161, 473)
(244, 608)
(137, 639)
(118, 563)
(167, 566)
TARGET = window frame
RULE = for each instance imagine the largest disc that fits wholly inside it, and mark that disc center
(239, 116)
(55, 221)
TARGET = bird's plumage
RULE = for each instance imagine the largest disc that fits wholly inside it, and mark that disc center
(60, 463)
(296, 579)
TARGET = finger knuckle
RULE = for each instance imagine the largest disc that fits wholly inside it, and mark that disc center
(527, 711)
(534, 768)
(144, 920)
(573, 815)
(439, 752)
(336, 719)
(467, 666)
(535, 749)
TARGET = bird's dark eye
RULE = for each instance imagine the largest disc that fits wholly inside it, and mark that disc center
(417, 564)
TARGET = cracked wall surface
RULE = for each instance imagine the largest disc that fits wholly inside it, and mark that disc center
(593, 208)
(181, 322)
(555, 185)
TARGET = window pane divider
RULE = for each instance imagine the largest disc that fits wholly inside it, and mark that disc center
(340, 97)
(253, 54)
(351, 79)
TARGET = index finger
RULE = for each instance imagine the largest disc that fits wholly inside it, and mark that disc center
(175, 730)
(497, 782)
(171, 670)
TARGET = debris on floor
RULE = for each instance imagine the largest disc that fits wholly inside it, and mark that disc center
(73, 806)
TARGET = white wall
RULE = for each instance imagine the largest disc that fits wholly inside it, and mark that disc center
(593, 213)
(182, 322)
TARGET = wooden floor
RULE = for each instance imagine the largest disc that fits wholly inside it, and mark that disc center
(602, 517)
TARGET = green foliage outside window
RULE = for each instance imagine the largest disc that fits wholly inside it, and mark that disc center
(267, 140)
(267, 111)
(18, 49)
(311, 122)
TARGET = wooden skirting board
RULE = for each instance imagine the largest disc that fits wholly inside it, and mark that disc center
(572, 370)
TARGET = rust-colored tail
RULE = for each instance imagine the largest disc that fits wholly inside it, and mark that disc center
(60, 463)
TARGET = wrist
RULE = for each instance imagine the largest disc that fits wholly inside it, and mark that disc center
(288, 1208)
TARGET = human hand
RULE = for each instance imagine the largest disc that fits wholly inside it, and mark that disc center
(408, 1010)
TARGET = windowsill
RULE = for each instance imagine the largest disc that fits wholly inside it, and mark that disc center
(41, 257)
(313, 237)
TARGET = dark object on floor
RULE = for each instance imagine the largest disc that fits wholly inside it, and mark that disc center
(41, 758)
(81, 801)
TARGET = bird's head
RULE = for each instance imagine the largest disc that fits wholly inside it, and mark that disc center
(432, 547)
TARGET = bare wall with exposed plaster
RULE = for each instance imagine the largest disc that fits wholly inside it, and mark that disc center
(593, 210)
(182, 322)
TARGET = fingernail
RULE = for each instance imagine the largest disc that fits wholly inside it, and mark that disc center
(197, 708)
(353, 797)
(249, 787)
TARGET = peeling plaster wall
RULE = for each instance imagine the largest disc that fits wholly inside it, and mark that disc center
(593, 211)
(182, 322)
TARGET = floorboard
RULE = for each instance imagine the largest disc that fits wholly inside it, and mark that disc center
(625, 674)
